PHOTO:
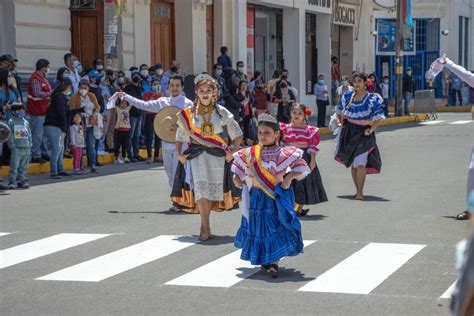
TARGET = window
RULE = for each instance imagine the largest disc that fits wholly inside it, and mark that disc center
(83, 4)
(463, 41)
(311, 53)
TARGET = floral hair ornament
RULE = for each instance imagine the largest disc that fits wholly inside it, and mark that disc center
(308, 112)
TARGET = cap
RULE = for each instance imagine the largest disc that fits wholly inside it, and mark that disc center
(94, 74)
(8, 57)
(158, 65)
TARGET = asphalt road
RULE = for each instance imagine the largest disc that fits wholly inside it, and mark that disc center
(115, 245)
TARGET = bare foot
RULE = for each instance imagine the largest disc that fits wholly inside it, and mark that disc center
(204, 237)
(359, 197)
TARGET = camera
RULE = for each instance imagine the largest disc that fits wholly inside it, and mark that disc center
(445, 32)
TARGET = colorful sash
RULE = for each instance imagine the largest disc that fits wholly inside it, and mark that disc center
(264, 178)
(185, 121)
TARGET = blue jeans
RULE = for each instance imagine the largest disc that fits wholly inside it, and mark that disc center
(38, 148)
(134, 136)
(385, 109)
(91, 146)
(19, 162)
(408, 96)
(56, 140)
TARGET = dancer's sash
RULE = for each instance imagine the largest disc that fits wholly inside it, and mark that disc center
(185, 121)
(266, 181)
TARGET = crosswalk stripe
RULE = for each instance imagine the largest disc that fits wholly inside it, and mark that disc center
(363, 271)
(460, 122)
(223, 272)
(4, 234)
(43, 247)
(122, 260)
(449, 291)
(432, 122)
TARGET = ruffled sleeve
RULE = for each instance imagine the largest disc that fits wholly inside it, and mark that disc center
(233, 127)
(239, 165)
(343, 100)
(375, 106)
(314, 140)
(298, 164)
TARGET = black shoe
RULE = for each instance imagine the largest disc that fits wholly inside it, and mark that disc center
(98, 164)
(93, 170)
(3, 187)
(23, 185)
(67, 156)
(65, 174)
(55, 176)
(134, 159)
(45, 157)
(139, 158)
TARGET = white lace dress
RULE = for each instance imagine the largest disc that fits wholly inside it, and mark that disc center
(208, 170)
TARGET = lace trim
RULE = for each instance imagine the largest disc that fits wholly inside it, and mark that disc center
(304, 170)
(210, 191)
(283, 165)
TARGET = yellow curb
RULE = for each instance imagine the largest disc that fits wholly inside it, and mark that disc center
(448, 109)
(37, 168)
(388, 121)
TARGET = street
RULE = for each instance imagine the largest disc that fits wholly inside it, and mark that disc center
(107, 244)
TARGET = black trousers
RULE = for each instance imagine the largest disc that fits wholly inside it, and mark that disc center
(453, 96)
(150, 135)
(322, 112)
(121, 142)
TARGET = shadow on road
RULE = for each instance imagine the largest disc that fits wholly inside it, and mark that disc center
(214, 241)
(315, 217)
(285, 275)
(149, 212)
(367, 198)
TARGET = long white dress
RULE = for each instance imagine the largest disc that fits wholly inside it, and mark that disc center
(208, 170)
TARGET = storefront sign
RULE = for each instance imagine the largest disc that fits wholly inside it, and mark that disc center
(320, 3)
(386, 38)
(345, 14)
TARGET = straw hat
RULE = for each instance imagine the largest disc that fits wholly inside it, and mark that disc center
(165, 123)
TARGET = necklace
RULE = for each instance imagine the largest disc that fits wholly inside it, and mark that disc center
(207, 126)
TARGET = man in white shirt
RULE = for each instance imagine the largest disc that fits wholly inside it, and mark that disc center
(71, 63)
(175, 87)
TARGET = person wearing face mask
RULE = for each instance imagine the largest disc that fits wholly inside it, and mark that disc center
(39, 92)
(71, 66)
(20, 145)
(175, 86)
(322, 100)
(159, 71)
(98, 64)
(238, 76)
(174, 70)
(408, 90)
(9, 62)
(223, 92)
(85, 102)
(146, 87)
(384, 89)
(55, 127)
(134, 89)
(343, 88)
(150, 135)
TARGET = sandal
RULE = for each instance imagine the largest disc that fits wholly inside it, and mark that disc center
(273, 270)
(463, 216)
(265, 268)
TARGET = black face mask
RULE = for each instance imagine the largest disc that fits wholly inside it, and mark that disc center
(174, 69)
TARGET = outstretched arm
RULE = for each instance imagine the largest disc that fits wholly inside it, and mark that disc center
(464, 74)
(150, 106)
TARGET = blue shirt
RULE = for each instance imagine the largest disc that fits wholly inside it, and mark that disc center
(224, 60)
(368, 109)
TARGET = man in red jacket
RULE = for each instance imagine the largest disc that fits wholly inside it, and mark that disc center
(39, 91)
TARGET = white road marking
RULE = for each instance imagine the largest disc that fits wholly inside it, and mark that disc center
(43, 247)
(363, 271)
(449, 291)
(223, 272)
(122, 260)
(461, 122)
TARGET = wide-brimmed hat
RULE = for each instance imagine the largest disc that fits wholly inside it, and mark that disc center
(165, 123)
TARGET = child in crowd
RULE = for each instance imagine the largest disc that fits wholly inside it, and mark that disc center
(122, 129)
(20, 144)
(270, 229)
(77, 143)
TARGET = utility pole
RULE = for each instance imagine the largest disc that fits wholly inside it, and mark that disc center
(399, 61)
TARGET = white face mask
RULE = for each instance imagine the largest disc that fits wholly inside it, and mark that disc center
(159, 71)
(11, 80)
(83, 92)
(218, 72)
(47, 71)
(242, 69)
(155, 88)
(144, 73)
(99, 67)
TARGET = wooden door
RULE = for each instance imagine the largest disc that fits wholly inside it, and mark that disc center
(210, 37)
(162, 32)
(87, 30)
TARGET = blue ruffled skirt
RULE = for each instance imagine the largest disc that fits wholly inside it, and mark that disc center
(273, 230)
